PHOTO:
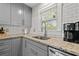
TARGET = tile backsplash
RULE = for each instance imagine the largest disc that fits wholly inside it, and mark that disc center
(12, 29)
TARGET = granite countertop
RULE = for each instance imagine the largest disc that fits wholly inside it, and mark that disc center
(58, 43)
(5, 36)
(53, 42)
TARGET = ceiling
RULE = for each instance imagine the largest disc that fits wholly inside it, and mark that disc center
(32, 4)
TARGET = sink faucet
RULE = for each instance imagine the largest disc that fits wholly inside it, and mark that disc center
(45, 30)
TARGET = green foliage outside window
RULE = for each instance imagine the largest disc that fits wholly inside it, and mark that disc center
(49, 17)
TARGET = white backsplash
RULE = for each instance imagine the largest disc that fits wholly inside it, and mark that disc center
(12, 29)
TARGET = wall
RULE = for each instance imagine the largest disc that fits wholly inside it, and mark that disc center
(70, 12)
(36, 22)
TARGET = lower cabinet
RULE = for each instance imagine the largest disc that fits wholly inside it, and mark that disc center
(36, 51)
(16, 47)
(31, 48)
(10, 47)
(27, 47)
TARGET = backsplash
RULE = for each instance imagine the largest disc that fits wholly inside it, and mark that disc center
(51, 34)
(12, 29)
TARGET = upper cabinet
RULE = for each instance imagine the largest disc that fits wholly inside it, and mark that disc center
(4, 13)
(16, 14)
(27, 16)
(21, 15)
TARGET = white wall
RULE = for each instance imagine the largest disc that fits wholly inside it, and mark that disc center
(35, 19)
(70, 13)
(36, 22)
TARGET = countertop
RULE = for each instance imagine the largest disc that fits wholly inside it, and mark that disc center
(56, 42)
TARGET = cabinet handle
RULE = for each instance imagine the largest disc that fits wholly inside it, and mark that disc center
(23, 22)
(25, 44)
(52, 51)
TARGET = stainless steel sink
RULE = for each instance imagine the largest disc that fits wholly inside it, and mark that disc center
(41, 37)
(45, 33)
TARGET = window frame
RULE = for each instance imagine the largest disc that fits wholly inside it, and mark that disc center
(44, 10)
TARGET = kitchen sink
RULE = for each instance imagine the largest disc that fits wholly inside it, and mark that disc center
(41, 37)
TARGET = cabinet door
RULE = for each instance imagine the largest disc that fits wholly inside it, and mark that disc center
(36, 51)
(28, 50)
(4, 13)
(16, 14)
(16, 46)
(27, 17)
(24, 47)
(31, 49)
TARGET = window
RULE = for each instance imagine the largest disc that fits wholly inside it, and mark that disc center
(49, 17)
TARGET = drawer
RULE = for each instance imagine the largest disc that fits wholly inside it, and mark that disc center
(5, 51)
(37, 44)
(4, 47)
(6, 54)
(5, 42)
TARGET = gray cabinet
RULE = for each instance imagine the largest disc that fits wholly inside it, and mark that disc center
(10, 47)
(27, 17)
(32, 48)
(15, 45)
(16, 14)
(36, 50)
(4, 13)
(5, 47)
